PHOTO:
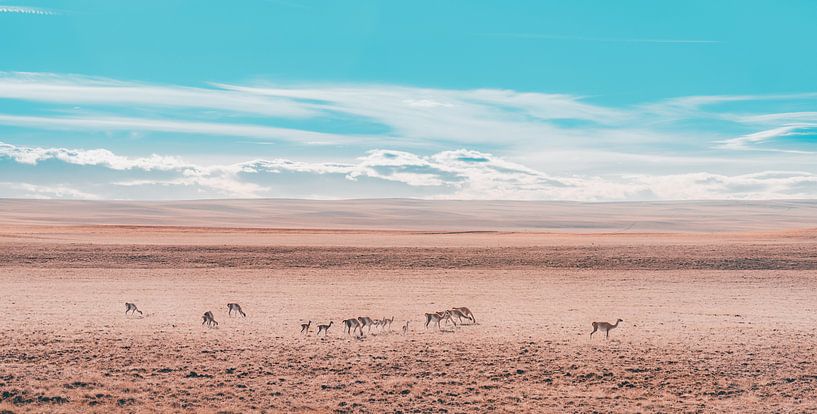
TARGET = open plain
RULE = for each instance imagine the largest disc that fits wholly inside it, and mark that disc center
(718, 303)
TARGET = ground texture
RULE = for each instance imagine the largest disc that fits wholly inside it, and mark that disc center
(712, 323)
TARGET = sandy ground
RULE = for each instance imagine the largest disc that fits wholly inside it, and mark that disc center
(719, 322)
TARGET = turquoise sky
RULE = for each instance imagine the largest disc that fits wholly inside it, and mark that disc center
(583, 100)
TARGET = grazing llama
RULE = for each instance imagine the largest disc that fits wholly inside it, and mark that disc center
(131, 307)
(235, 307)
(208, 319)
(605, 327)
(324, 329)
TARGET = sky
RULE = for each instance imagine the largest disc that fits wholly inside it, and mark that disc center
(523, 100)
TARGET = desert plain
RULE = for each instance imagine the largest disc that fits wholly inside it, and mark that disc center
(718, 301)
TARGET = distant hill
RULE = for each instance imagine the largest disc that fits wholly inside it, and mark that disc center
(631, 217)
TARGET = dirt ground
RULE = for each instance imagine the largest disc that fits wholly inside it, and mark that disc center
(712, 322)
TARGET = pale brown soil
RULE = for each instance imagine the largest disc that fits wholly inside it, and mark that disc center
(712, 322)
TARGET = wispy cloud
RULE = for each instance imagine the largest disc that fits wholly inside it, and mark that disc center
(80, 90)
(415, 116)
(545, 36)
(410, 116)
(751, 141)
(99, 123)
(26, 10)
(778, 118)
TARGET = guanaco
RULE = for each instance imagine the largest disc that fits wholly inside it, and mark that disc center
(460, 314)
(364, 322)
(605, 327)
(438, 317)
(387, 322)
(131, 307)
(352, 325)
(208, 319)
(324, 328)
(467, 313)
(235, 307)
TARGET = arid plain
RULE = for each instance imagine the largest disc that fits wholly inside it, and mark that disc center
(718, 303)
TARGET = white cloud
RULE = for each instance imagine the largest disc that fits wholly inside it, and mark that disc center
(211, 185)
(103, 157)
(27, 190)
(219, 178)
(706, 186)
(457, 174)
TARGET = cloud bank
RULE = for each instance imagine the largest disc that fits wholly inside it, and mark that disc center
(455, 174)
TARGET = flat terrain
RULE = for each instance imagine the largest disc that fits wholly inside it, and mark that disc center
(714, 321)
(434, 215)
